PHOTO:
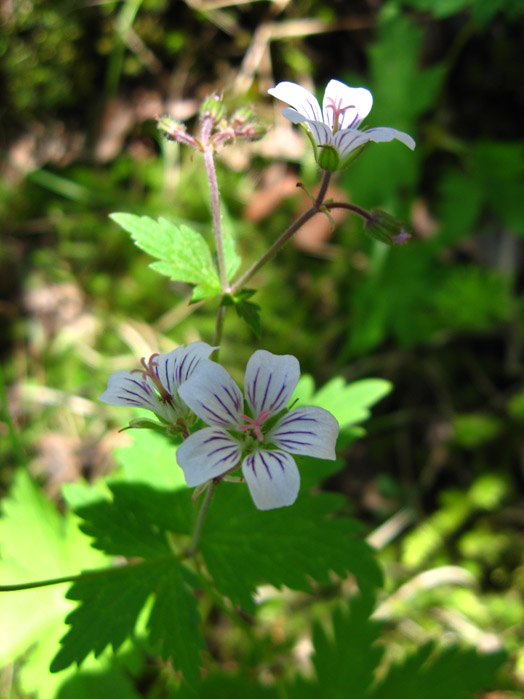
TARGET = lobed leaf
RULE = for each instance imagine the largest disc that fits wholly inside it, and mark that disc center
(135, 523)
(183, 254)
(244, 547)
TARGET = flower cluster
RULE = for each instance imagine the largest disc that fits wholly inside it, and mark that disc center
(216, 126)
(257, 432)
(334, 130)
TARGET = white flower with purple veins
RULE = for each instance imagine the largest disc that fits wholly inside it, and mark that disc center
(156, 385)
(334, 130)
(260, 435)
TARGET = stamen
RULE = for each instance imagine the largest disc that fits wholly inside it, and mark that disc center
(338, 110)
(150, 371)
(255, 425)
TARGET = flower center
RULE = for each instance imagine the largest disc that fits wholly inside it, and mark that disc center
(254, 424)
(151, 370)
(338, 110)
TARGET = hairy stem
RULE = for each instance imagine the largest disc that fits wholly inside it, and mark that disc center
(215, 211)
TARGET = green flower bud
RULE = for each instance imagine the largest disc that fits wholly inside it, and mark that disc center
(213, 107)
(328, 158)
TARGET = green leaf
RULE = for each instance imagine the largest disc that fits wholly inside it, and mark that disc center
(246, 310)
(345, 663)
(183, 253)
(136, 521)
(453, 672)
(37, 543)
(173, 621)
(244, 547)
(151, 460)
(349, 403)
(111, 603)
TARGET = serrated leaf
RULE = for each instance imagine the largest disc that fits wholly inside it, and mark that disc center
(349, 403)
(453, 672)
(111, 603)
(136, 521)
(250, 314)
(172, 624)
(183, 253)
(345, 662)
(36, 544)
(243, 547)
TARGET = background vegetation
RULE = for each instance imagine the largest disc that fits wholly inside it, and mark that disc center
(441, 466)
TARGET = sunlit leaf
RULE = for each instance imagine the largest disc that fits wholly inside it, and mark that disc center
(183, 253)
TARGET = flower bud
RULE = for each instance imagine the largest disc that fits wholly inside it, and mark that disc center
(384, 227)
(213, 108)
(328, 158)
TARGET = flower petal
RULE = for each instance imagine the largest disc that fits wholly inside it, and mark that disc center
(352, 103)
(299, 98)
(208, 453)
(173, 368)
(322, 134)
(348, 140)
(270, 380)
(129, 388)
(293, 115)
(381, 134)
(309, 431)
(212, 394)
(272, 478)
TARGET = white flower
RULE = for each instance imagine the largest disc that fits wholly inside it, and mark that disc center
(334, 130)
(156, 385)
(261, 436)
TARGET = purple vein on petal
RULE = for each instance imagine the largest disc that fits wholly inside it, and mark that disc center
(212, 412)
(233, 398)
(261, 455)
(262, 406)
(228, 411)
(276, 404)
(278, 460)
(252, 390)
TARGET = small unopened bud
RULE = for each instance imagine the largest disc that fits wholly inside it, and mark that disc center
(170, 127)
(213, 108)
(241, 117)
(175, 131)
(328, 158)
(384, 227)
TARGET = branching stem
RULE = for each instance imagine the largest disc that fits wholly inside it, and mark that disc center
(293, 228)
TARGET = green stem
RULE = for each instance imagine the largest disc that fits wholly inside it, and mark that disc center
(80, 576)
(193, 545)
(293, 228)
(219, 326)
